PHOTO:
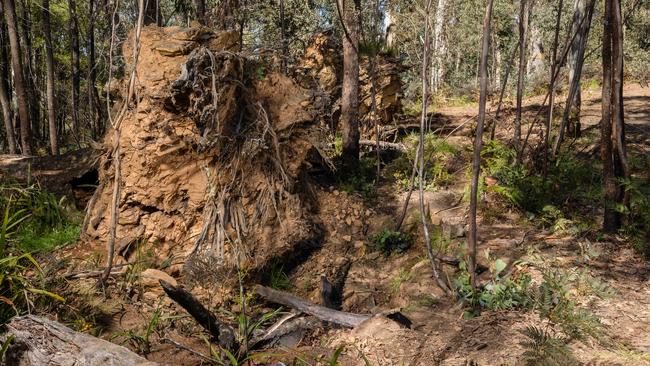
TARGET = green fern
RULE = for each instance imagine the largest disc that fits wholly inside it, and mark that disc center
(546, 349)
(555, 304)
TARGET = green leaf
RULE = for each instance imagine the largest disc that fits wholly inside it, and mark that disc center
(335, 358)
(499, 266)
(46, 293)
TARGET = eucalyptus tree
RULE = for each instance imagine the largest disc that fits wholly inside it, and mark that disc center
(5, 103)
(49, 61)
(349, 122)
(9, 11)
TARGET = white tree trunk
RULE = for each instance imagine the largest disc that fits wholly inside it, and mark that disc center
(439, 47)
(576, 53)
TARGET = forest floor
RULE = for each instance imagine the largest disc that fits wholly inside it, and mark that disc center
(602, 275)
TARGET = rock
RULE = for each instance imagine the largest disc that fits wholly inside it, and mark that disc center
(150, 277)
(347, 238)
(150, 297)
(453, 227)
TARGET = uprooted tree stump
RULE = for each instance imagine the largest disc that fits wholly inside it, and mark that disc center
(38, 341)
(212, 158)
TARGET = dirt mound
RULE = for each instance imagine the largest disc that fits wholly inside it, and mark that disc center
(211, 159)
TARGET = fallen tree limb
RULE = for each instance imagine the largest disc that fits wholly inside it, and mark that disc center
(329, 315)
(284, 328)
(39, 341)
(220, 332)
(52, 173)
(384, 145)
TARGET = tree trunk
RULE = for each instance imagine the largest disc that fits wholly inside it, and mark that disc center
(495, 82)
(28, 72)
(577, 26)
(472, 239)
(551, 86)
(49, 61)
(502, 92)
(622, 169)
(582, 24)
(201, 16)
(73, 28)
(523, 23)
(93, 94)
(350, 88)
(611, 218)
(19, 81)
(439, 47)
(5, 103)
(152, 13)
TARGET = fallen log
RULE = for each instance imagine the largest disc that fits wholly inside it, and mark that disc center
(384, 145)
(326, 314)
(39, 341)
(220, 332)
(52, 173)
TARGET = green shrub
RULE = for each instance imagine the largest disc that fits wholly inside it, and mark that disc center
(555, 303)
(437, 154)
(388, 241)
(500, 293)
(570, 181)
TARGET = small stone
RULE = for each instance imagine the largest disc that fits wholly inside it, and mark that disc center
(336, 192)
(150, 277)
(150, 297)
(348, 220)
(373, 255)
(347, 238)
(358, 244)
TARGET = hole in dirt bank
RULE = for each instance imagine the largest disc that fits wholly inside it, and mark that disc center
(83, 188)
(285, 263)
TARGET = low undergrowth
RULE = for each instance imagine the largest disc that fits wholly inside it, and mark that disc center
(389, 241)
(32, 221)
(438, 156)
(555, 299)
(561, 201)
